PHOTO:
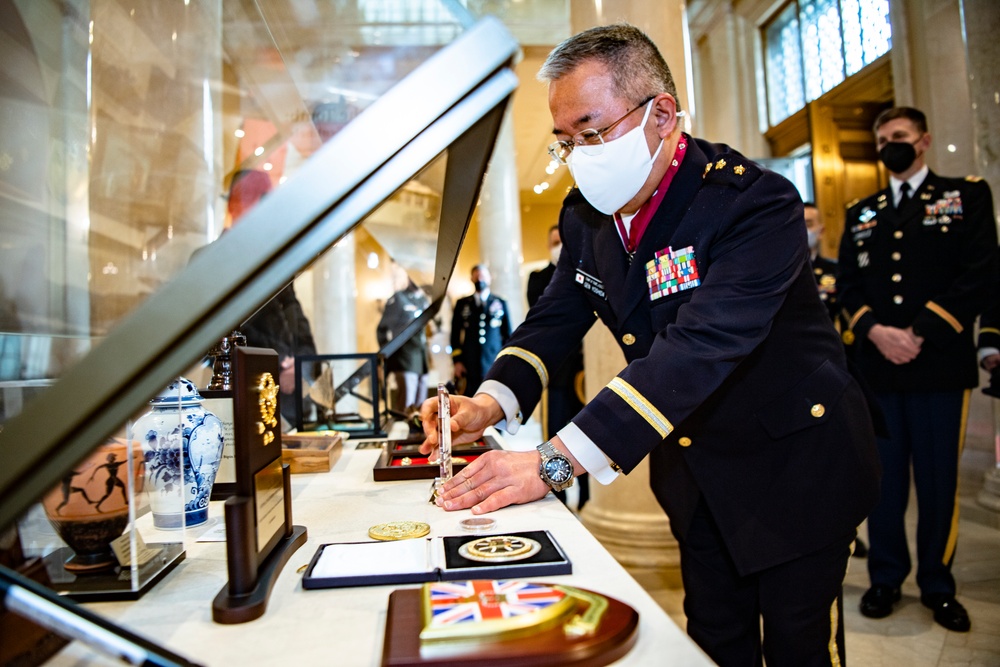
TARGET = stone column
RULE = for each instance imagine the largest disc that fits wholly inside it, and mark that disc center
(981, 23)
(500, 223)
(334, 315)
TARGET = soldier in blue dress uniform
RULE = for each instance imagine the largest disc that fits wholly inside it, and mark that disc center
(760, 442)
(480, 325)
(918, 264)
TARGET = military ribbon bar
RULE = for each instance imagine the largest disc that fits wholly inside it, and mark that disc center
(671, 271)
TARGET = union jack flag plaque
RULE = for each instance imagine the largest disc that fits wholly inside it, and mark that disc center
(482, 609)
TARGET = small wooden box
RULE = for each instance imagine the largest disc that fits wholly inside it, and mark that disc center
(401, 459)
(310, 452)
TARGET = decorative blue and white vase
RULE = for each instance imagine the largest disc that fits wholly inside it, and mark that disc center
(182, 446)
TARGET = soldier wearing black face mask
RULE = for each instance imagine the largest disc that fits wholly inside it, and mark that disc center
(480, 325)
(918, 264)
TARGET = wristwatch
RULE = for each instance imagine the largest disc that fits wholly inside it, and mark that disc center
(555, 469)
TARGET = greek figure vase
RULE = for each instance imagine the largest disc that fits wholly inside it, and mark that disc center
(89, 508)
(182, 447)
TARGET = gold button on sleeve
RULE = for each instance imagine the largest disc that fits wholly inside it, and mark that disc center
(684, 442)
(817, 410)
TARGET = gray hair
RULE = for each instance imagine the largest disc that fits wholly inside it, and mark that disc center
(638, 71)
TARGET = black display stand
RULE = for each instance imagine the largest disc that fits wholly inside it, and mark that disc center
(260, 536)
(369, 369)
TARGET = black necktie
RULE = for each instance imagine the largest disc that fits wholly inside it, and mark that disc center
(904, 195)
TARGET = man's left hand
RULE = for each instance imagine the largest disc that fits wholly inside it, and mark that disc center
(494, 480)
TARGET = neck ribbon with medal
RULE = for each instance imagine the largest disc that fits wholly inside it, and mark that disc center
(641, 220)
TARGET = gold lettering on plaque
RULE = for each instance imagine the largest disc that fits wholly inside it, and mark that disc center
(268, 402)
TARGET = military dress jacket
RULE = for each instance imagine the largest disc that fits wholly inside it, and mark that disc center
(931, 266)
(737, 385)
(478, 332)
(825, 273)
(400, 310)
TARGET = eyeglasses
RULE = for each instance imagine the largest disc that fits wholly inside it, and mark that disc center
(591, 140)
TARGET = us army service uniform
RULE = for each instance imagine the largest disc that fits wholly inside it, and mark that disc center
(760, 441)
(478, 331)
(932, 266)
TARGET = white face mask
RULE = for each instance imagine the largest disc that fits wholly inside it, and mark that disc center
(813, 237)
(611, 179)
(554, 253)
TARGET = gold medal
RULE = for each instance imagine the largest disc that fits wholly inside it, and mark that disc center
(398, 530)
(499, 548)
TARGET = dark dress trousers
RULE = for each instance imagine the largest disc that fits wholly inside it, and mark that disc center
(932, 266)
(478, 331)
(736, 387)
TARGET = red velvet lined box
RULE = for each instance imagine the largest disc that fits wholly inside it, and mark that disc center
(391, 467)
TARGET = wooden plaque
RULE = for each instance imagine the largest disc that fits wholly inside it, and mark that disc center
(614, 637)
(258, 443)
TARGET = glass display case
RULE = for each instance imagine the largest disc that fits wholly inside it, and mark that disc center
(170, 172)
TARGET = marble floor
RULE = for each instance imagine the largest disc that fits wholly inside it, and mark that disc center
(909, 637)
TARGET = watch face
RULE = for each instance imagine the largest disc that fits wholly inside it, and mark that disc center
(558, 469)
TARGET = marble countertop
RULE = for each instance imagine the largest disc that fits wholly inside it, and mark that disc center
(345, 626)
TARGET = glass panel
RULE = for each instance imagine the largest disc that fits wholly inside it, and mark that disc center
(821, 46)
(156, 127)
(124, 124)
(876, 35)
(784, 66)
(854, 55)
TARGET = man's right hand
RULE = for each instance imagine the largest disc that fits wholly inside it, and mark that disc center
(899, 346)
(469, 418)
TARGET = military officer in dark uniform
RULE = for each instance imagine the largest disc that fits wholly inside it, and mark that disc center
(824, 269)
(736, 387)
(989, 345)
(480, 325)
(918, 264)
(825, 272)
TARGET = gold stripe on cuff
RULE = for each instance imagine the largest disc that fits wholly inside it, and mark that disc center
(857, 316)
(639, 403)
(989, 330)
(945, 315)
(531, 359)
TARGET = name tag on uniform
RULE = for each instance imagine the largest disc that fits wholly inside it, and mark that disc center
(590, 283)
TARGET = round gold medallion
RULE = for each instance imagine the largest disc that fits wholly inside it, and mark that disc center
(499, 548)
(398, 530)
